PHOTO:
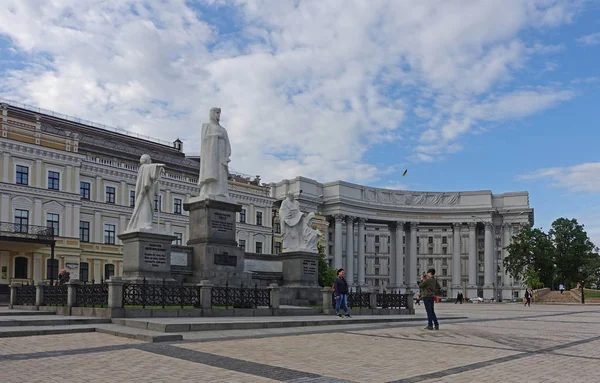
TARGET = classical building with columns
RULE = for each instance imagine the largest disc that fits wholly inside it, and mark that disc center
(397, 235)
(78, 177)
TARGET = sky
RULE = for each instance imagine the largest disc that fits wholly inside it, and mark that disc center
(466, 94)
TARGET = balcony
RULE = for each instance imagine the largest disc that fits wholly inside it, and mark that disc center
(19, 232)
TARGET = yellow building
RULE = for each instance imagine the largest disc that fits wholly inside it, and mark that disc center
(78, 177)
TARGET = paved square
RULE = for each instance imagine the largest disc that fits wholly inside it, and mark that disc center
(498, 343)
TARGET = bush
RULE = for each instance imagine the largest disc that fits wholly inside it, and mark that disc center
(326, 274)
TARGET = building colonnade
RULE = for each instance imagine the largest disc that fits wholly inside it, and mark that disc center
(403, 257)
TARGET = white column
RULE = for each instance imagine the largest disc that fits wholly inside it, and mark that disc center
(76, 219)
(69, 179)
(337, 246)
(99, 197)
(123, 224)
(6, 167)
(361, 251)
(412, 275)
(123, 195)
(38, 214)
(399, 256)
(488, 278)
(37, 267)
(456, 272)
(5, 211)
(77, 180)
(39, 180)
(98, 228)
(98, 272)
(68, 225)
(392, 258)
(472, 255)
(350, 250)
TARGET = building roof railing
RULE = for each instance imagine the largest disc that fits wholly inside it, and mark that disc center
(82, 121)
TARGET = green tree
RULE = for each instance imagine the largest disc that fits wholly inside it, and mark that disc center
(574, 250)
(326, 274)
(531, 257)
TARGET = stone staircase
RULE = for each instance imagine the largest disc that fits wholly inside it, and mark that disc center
(557, 297)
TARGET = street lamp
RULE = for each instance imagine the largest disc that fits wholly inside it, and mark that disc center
(497, 240)
(582, 283)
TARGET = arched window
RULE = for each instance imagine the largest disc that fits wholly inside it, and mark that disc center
(21, 267)
(109, 271)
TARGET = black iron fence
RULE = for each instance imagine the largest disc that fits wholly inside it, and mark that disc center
(55, 295)
(160, 295)
(242, 297)
(392, 300)
(359, 299)
(92, 294)
(25, 295)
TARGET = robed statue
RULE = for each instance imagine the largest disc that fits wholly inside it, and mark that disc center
(296, 227)
(215, 153)
(146, 188)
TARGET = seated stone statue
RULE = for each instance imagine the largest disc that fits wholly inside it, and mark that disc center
(296, 227)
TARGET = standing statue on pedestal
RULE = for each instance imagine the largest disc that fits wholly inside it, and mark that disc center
(215, 153)
(146, 188)
(298, 234)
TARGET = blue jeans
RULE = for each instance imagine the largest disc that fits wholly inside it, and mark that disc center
(342, 299)
(431, 317)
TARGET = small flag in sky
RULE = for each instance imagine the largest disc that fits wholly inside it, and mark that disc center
(405, 173)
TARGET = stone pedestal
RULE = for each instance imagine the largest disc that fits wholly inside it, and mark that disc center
(300, 278)
(147, 255)
(217, 257)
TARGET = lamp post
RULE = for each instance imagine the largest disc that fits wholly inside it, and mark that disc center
(497, 240)
(581, 275)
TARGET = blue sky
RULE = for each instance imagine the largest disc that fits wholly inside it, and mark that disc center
(467, 95)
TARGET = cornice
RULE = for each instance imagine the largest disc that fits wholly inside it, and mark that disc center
(254, 228)
(20, 148)
(39, 192)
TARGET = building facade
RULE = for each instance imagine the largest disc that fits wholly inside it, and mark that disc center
(397, 235)
(79, 178)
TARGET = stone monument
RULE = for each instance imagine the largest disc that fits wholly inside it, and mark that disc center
(217, 256)
(300, 257)
(146, 251)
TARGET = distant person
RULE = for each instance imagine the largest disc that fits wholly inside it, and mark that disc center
(528, 295)
(428, 286)
(340, 288)
(459, 298)
(561, 287)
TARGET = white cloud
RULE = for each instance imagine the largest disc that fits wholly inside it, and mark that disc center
(306, 87)
(589, 40)
(579, 178)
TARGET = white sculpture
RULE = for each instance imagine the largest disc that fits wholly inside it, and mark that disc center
(146, 188)
(215, 151)
(298, 234)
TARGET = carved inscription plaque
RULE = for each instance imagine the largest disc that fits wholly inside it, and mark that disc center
(222, 222)
(155, 255)
(309, 267)
(225, 260)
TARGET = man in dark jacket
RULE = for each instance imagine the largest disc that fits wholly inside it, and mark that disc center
(341, 293)
(428, 286)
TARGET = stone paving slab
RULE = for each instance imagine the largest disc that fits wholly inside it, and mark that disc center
(45, 320)
(24, 331)
(178, 325)
(138, 334)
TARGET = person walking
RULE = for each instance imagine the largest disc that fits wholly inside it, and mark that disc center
(428, 286)
(528, 297)
(561, 287)
(341, 293)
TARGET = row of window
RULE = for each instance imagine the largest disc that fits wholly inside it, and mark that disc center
(22, 269)
(110, 193)
(22, 221)
(22, 177)
(259, 218)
